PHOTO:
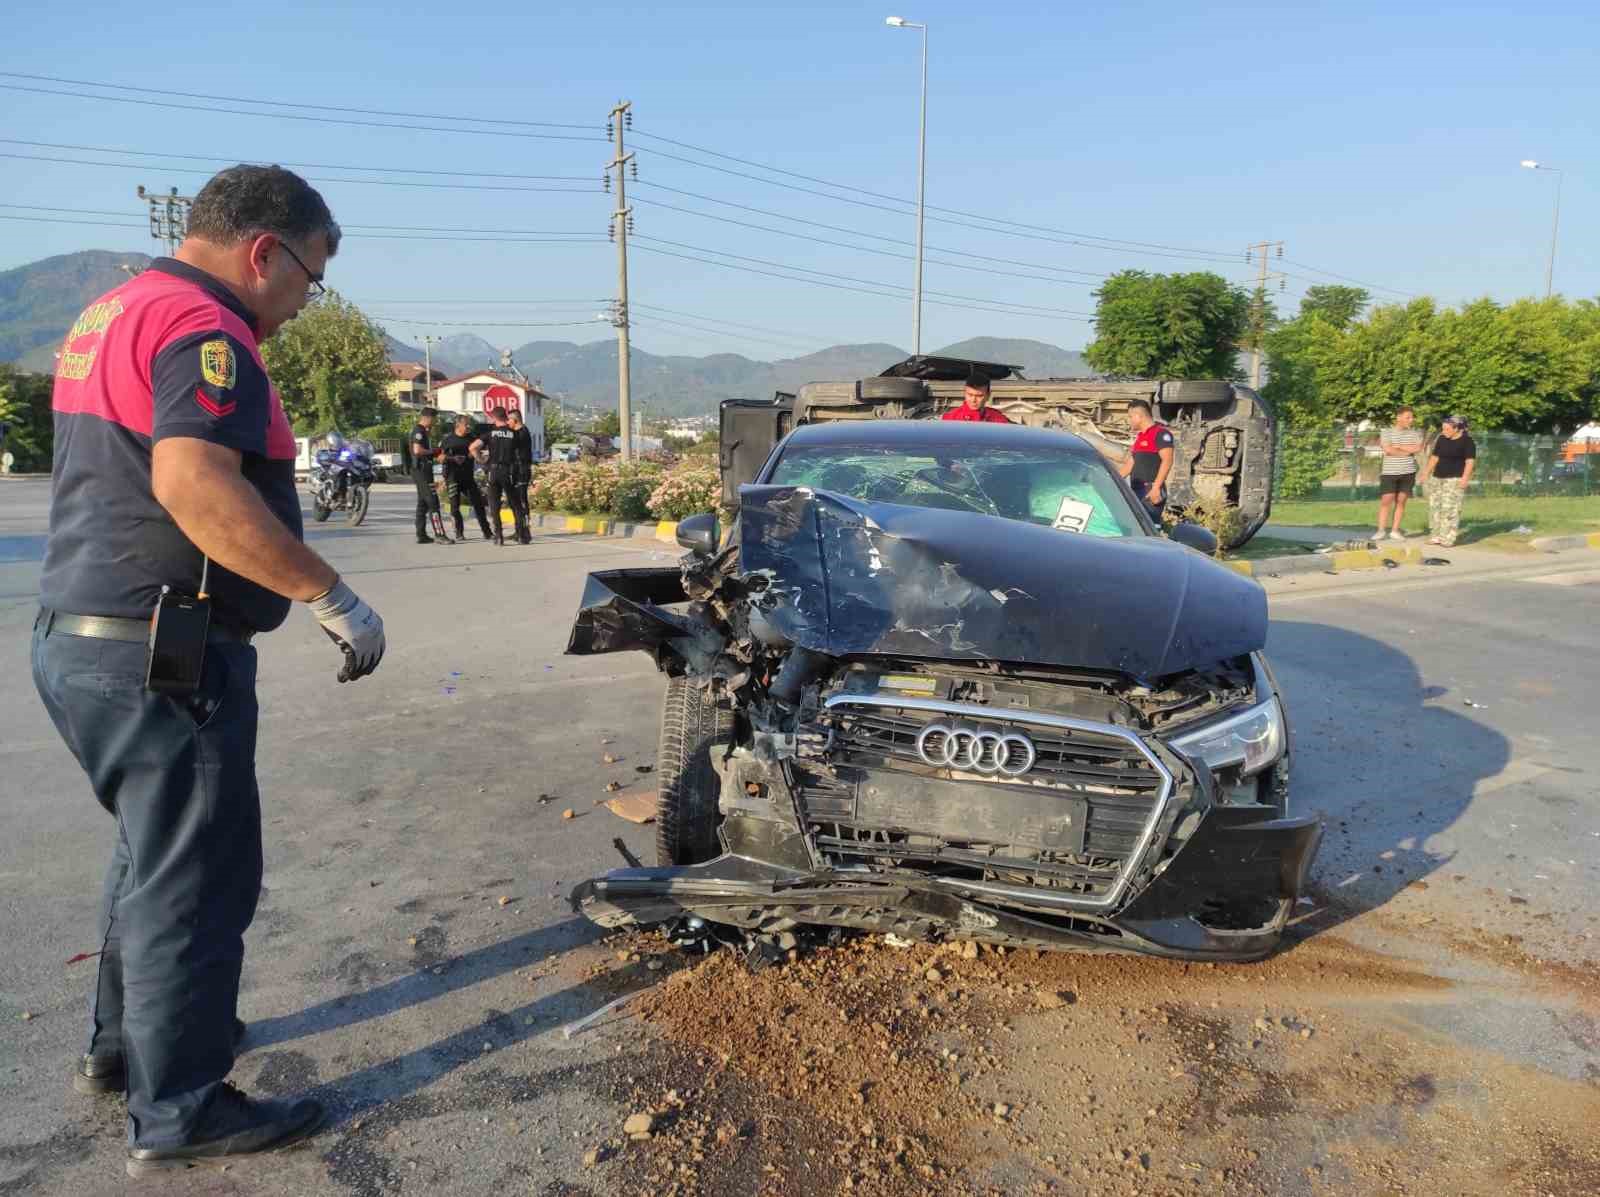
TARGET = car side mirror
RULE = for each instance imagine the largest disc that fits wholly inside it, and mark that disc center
(1195, 536)
(699, 534)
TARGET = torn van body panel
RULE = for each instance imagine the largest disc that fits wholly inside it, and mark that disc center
(950, 724)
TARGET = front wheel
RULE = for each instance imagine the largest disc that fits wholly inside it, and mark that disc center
(320, 510)
(692, 727)
(358, 505)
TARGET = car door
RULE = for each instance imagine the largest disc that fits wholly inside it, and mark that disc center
(748, 429)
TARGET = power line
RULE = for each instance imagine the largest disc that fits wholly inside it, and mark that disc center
(1345, 278)
(357, 231)
(839, 286)
(410, 323)
(1087, 240)
(295, 116)
(709, 334)
(191, 95)
(736, 324)
(849, 279)
(866, 249)
(193, 170)
(401, 170)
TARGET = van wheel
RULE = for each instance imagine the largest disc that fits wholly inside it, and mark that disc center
(1197, 390)
(692, 727)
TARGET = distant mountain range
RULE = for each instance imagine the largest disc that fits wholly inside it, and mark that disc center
(680, 386)
(39, 302)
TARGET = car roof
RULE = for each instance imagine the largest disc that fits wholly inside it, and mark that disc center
(936, 434)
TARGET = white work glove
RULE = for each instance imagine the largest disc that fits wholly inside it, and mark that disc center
(353, 626)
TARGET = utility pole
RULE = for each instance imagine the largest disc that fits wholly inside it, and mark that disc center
(169, 216)
(427, 353)
(1261, 251)
(621, 222)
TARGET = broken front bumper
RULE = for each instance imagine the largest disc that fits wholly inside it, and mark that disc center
(1225, 895)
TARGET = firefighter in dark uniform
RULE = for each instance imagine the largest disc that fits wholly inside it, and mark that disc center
(521, 475)
(501, 442)
(1149, 461)
(422, 456)
(460, 460)
(174, 472)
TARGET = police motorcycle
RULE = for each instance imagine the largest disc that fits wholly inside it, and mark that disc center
(342, 479)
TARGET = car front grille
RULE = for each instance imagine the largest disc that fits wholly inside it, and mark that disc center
(1099, 779)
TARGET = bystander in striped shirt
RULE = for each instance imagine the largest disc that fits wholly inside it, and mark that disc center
(1407, 439)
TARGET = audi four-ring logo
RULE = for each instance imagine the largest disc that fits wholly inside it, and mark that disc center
(955, 746)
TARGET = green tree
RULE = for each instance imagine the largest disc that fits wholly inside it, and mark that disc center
(330, 366)
(607, 423)
(26, 413)
(1168, 325)
(558, 429)
(1339, 306)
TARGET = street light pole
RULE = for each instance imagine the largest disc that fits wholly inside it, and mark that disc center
(922, 184)
(1555, 227)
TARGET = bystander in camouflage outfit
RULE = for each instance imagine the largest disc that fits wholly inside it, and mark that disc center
(1451, 460)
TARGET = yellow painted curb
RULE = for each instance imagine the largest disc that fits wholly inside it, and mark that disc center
(1247, 568)
(1594, 540)
(667, 530)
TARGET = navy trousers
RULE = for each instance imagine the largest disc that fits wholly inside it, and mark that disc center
(179, 778)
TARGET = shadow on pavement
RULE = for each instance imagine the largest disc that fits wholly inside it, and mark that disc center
(434, 978)
(1391, 763)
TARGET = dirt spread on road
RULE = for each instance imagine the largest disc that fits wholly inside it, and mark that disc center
(870, 1069)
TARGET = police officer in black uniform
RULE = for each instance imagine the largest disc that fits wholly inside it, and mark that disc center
(521, 475)
(422, 455)
(501, 442)
(459, 462)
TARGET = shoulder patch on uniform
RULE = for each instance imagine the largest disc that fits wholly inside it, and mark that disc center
(218, 366)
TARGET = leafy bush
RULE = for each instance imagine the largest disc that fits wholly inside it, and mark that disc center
(582, 487)
(1222, 520)
(1307, 457)
(631, 498)
(687, 490)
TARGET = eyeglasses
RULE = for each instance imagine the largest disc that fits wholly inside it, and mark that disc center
(316, 290)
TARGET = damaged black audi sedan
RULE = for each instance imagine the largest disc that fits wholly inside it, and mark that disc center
(947, 680)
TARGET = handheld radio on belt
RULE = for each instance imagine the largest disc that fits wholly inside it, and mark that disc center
(176, 653)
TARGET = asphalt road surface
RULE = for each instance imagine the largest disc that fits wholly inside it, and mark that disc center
(1432, 1027)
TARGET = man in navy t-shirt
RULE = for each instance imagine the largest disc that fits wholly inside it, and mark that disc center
(174, 470)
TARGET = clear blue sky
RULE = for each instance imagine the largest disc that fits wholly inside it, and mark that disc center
(1376, 141)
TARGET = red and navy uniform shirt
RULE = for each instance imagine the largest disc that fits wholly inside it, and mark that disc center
(1147, 448)
(171, 352)
(987, 416)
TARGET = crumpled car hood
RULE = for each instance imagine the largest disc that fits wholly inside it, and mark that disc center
(851, 577)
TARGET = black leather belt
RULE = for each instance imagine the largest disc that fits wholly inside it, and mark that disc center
(114, 627)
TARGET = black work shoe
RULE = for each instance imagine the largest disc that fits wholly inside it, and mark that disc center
(107, 1072)
(424, 538)
(233, 1126)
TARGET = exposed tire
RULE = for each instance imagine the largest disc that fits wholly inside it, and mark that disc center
(686, 804)
(893, 388)
(1197, 390)
(359, 498)
(319, 512)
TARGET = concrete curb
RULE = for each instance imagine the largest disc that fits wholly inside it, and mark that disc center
(1578, 540)
(665, 531)
(1319, 563)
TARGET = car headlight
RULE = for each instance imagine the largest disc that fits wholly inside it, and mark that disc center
(1251, 740)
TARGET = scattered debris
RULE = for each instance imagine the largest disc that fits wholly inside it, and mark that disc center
(644, 768)
(640, 1125)
(613, 786)
(622, 848)
(504, 900)
(596, 1155)
(569, 813)
(81, 957)
(609, 759)
(1435, 561)
(636, 806)
(577, 1027)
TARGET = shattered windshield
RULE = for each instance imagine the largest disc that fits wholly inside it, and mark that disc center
(1055, 489)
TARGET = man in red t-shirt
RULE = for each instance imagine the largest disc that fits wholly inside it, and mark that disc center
(1149, 461)
(976, 404)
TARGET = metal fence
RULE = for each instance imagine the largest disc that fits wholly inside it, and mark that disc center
(1343, 462)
